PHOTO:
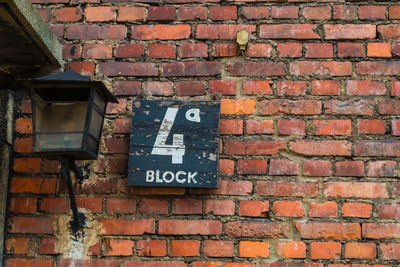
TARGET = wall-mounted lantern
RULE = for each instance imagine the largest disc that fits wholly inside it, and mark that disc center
(68, 115)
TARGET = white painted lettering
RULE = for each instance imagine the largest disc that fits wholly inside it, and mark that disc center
(179, 180)
(149, 176)
(158, 180)
(191, 177)
(165, 177)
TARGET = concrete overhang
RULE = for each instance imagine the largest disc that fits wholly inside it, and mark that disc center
(27, 46)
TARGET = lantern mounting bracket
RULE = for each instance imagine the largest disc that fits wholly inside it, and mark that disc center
(68, 165)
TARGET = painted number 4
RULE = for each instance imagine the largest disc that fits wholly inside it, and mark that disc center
(177, 149)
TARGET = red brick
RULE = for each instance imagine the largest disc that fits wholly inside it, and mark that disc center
(379, 50)
(23, 205)
(127, 227)
(151, 248)
(68, 14)
(255, 13)
(321, 148)
(332, 68)
(321, 87)
(382, 169)
(162, 51)
(317, 168)
(154, 264)
(224, 50)
(372, 12)
(283, 167)
(193, 50)
(224, 87)
(380, 230)
(17, 246)
(388, 107)
(71, 51)
(23, 126)
(257, 87)
(33, 185)
(54, 205)
(291, 249)
(63, 262)
(288, 209)
(254, 147)
(118, 247)
(92, 204)
(350, 50)
(256, 69)
(97, 51)
(121, 205)
(222, 264)
(326, 210)
(285, 12)
(259, 127)
(390, 251)
(388, 211)
(253, 208)
(214, 248)
(349, 31)
(389, 68)
(355, 250)
(122, 126)
(349, 107)
(325, 250)
(232, 126)
(319, 50)
(159, 88)
(288, 31)
(191, 68)
(259, 50)
(186, 206)
(291, 127)
(44, 13)
(29, 263)
(220, 207)
(186, 248)
(287, 189)
(292, 50)
(222, 31)
(395, 88)
(117, 165)
(389, 32)
(99, 14)
(131, 14)
(256, 229)
(160, 32)
(253, 249)
(161, 13)
(332, 127)
(291, 88)
(317, 13)
(189, 227)
(345, 12)
(377, 148)
(223, 13)
(23, 145)
(128, 69)
(32, 225)
(190, 88)
(333, 231)
(293, 107)
(116, 145)
(153, 206)
(227, 187)
(355, 190)
(129, 50)
(27, 165)
(395, 127)
(371, 127)
(252, 166)
(96, 32)
(83, 68)
(226, 166)
(394, 12)
(48, 246)
(358, 210)
(192, 13)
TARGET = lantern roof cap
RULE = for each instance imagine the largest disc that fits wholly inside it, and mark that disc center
(73, 77)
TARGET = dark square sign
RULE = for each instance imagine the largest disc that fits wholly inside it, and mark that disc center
(174, 144)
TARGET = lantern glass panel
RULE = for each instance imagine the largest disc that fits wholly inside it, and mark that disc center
(96, 123)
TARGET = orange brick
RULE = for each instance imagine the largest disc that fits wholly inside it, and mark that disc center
(23, 126)
(104, 13)
(325, 250)
(250, 249)
(33, 185)
(185, 248)
(131, 13)
(151, 248)
(288, 209)
(118, 247)
(27, 165)
(292, 250)
(379, 50)
(214, 248)
(23, 145)
(359, 210)
(254, 208)
(238, 106)
(226, 166)
(17, 246)
(355, 250)
(327, 209)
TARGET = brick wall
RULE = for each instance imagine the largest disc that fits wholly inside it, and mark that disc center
(309, 137)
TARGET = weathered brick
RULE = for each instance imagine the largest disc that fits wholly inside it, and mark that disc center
(255, 13)
(382, 169)
(48, 246)
(256, 69)
(232, 126)
(321, 148)
(259, 50)
(29, 262)
(215, 248)
(378, 67)
(227, 187)
(68, 14)
(253, 249)
(161, 13)
(23, 145)
(223, 87)
(372, 12)
(345, 12)
(294, 107)
(319, 50)
(390, 251)
(371, 127)
(99, 13)
(254, 147)
(349, 31)
(257, 87)
(224, 50)
(160, 32)
(96, 32)
(54, 205)
(118, 247)
(151, 248)
(325, 210)
(128, 69)
(259, 127)
(131, 14)
(394, 12)
(285, 12)
(358, 210)
(185, 248)
(17, 245)
(162, 51)
(317, 168)
(355, 190)
(332, 231)
(192, 13)
(223, 13)
(345, 50)
(127, 227)
(332, 68)
(288, 209)
(220, 207)
(291, 249)
(325, 250)
(253, 208)
(377, 148)
(283, 167)
(388, 211)
(380, 230)
(191, 68)
(159, 88)
(31, 185)
(325, 87)
(97, 51)
(191, 88)
(83, 68)
(292, 50)
(32, 225)
(189, 227)
(221, 31)
(121, 205)
(332, 127)
(288, 31)
(291, 88)
(349, 107)
(193, 50)
(287, 189)
(226, 166)
(27, 165)
(23, 205)
(355, 250)
(23, 126)
(350, 168)
(153, 206)
(186, 206)
(257, 229)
